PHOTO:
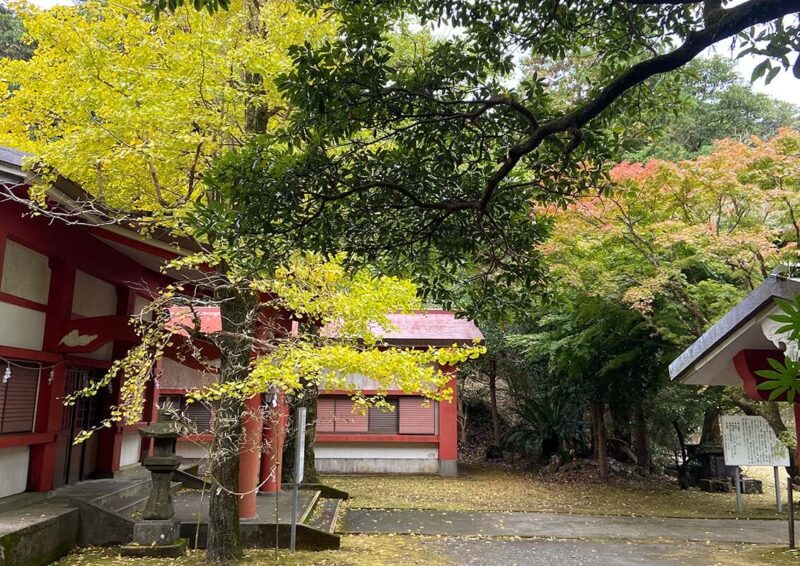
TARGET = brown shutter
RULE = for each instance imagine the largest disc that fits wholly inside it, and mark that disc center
(347, 420)
(325, 414)
(417, 416)
(18, 398)
(168, 406)
(200, 415)
(384, 421)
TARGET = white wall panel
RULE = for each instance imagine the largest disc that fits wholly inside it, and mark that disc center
(21, 327)
(192, 450)
(131, 448)
(26, 273)
(14, 470)
(178, 376)
(93, 296)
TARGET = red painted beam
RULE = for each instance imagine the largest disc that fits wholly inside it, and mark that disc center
(106, 329)
(28, 439)
(27, 355)
(20, 302)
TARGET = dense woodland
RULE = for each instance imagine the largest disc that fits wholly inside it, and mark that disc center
(692, 219)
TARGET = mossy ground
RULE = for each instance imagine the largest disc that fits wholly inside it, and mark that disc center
(487, 488)
(376, 550)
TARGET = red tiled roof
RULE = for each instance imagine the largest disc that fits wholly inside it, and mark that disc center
(432, 327)
(424, 328)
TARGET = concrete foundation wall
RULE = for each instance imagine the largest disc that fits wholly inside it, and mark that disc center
(13, 470)
(377, 466)
(377, 458)
(376, 451)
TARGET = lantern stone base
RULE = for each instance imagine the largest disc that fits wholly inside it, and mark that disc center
(174, 550)
(161, 531)
(158, 538)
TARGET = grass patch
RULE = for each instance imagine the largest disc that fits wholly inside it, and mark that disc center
(356, 550)
(487, 488)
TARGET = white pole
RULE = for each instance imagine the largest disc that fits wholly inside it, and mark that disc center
(299, 464)
(778, 502)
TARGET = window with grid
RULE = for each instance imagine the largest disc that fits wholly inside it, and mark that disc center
(85, 413)
(411, 415)
(171, 407)
(18, 397)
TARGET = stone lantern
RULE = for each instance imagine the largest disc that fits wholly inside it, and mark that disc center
(157, 533)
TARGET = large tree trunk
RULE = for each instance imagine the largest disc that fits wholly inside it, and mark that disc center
(641, 445)
(683, 474)
(462, 419)
(224, 541)
(493, 401)
(600, 440)
(711, 433)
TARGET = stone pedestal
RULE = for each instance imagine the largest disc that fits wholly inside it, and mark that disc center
(158, 533)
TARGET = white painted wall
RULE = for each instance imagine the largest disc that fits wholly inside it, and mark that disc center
(178, 376)
(26, 273)
(21, 327)
(93, 296)
(139, 304)
(131, 448)
(376, 450)
(192, 450)
(14, 470)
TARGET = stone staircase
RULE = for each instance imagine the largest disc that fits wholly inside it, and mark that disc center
(109, 517)
(325, 514)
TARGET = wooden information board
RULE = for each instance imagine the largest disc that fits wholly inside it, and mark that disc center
(750, 441)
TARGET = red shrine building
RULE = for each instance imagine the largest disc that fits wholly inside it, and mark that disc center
(67, 293)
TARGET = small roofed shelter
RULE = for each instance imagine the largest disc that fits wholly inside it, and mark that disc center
(418, 436)
(741, 343)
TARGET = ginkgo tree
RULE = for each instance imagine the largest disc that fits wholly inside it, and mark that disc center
(135, 110)
(341, 316)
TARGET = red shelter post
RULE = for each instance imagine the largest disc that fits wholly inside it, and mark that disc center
(448, 429)
(249, 458)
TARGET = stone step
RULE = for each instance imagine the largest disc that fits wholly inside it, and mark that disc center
(128, 507)
(118, 498)
(325, 515)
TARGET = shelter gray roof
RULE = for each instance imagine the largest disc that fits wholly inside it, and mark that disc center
(708, 361)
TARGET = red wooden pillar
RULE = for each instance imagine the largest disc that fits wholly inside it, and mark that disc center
(49, 411)
(109, 443)
(50, 407)
(274, 437)
(797, 429)
(151, 407)
(249, 457)
(448, 429)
